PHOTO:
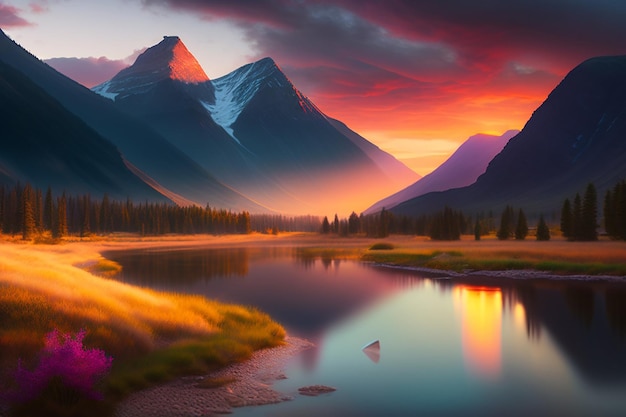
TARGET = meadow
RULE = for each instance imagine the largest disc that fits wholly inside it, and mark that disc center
(151, 336)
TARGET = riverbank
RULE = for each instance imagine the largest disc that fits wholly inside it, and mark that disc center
(152, 336)
(242, 384)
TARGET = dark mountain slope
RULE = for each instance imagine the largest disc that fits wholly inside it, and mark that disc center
(44, 144)
(577, 136)
(139, 144)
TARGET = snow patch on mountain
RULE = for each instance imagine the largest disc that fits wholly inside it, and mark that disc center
(103, 90)
(234, 91)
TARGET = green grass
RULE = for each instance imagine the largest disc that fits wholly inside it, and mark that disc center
(459, 262)
(382, 246)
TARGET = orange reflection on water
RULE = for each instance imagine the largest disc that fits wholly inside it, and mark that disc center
(481, 323)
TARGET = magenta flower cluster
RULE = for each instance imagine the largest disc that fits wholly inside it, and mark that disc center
(65, 358)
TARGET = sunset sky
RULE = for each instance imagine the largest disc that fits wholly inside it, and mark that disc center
(416, 77)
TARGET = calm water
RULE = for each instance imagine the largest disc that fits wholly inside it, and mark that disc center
(448, 347)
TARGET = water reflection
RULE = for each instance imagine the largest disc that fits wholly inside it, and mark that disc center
(481, 323)
(450, 346)
(160, 268)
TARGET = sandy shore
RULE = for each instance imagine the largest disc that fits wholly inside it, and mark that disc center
(252, 385)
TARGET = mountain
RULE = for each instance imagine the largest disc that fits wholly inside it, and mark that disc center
(46, 145)
(462, 168)
(145, 151)
(577, 136)
(255, 131)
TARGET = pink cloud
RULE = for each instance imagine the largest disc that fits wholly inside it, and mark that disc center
(87, 71)
(91, 71)
(10, 17)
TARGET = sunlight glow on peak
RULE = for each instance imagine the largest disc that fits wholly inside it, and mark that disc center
(184, 67)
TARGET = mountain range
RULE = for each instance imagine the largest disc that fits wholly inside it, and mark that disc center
(161, 130)
(577, 136)
(151, 157)
(254, 131)
(462, 168)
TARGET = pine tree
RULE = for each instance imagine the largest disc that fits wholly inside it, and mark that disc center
(383, 223)
(589, 214)
(105, 215)
(521, 230)
(507, 222)
(543, 232)
(325, 226)
(27, 215)
(336, 224)
(59, 228)
(566, 219)
(477, 230)
(85, 224)
(576, 219)
(354, 224)
(47, 210)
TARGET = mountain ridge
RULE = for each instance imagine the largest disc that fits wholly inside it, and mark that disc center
(576, 136)
(462, 168)
(256, 132)
(141, 145)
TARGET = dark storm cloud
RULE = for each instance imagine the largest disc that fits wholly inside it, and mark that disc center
(480, 34)
(302, 36)
(10, 17)
(563, 31)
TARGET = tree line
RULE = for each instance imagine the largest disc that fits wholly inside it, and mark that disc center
(615, 211)
(27, 211)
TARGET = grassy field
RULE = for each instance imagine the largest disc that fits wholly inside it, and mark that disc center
(556, 256)
(152, 336)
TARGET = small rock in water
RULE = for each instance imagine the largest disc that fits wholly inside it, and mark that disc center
(315, 390)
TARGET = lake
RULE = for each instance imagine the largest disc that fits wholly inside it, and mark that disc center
(448, 347)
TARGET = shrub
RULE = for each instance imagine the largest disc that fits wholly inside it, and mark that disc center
(382, 246)
(66, 371)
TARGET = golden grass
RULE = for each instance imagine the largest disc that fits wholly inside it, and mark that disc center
(153, 336)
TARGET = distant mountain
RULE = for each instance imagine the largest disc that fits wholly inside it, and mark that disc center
(462, 168)
(255, 132)
(577, 136)
(46, 145)
(146, 152)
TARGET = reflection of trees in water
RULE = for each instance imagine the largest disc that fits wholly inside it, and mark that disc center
(580, 301)
(616, 310)
(526, 296)
(181, 267)
(586, 333)
(307, 258)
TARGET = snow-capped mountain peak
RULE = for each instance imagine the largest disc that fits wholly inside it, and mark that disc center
(170, 58)
(234, 91)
